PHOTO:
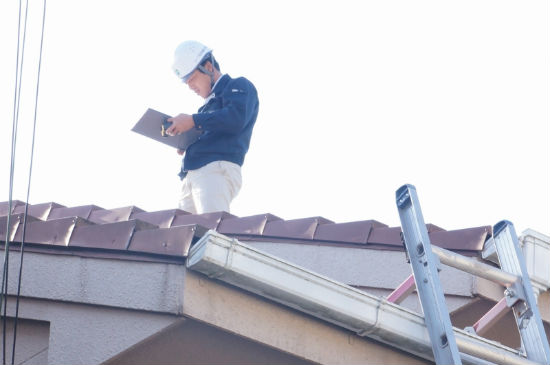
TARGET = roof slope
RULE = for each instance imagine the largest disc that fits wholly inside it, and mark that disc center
(168, 234)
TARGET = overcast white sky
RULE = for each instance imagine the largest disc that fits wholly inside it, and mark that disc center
(356, 99)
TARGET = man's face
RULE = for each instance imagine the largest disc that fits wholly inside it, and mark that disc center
(200, 82)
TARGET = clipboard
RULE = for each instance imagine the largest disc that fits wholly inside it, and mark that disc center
(150, 125)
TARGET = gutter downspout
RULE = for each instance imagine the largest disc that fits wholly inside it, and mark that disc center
(233, 262)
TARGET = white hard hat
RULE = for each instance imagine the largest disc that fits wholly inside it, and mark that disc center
(187, 57)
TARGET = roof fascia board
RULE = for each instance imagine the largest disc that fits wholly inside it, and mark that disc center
(238, 264)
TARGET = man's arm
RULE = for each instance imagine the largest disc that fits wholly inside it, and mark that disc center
(240, 101)
(180, 123)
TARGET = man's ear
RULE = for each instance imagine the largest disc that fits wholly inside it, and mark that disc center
(209, 66)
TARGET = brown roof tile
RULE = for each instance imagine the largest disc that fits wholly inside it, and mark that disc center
(208, 220)
(252, 225)
(4, 206)
(432, 228)
(303, 228)
(65, 212)
(469, 239)
(173, 241)
(115, 236)
(113, 215)
(51, 232)
(131, 231)
(351, 232)
(16, 221)
(386, 236)
(40, 211)
(161, 218)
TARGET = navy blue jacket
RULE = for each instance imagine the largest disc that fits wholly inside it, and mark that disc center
(227, 120)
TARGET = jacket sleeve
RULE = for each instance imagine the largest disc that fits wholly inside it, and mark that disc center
(239, 102)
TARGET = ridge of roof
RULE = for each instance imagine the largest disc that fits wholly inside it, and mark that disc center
(170, 233)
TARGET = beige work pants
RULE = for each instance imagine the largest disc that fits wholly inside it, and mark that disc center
(210, 188)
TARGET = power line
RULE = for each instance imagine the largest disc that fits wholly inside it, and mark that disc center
(28, 186)
(15, 123)
(3, 292)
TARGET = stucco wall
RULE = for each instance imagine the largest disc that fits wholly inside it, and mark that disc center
(80, 333)
(361, 267)
(32, 342)
(376, 271)
(97, 309)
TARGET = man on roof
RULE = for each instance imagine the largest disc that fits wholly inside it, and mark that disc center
(211, 168)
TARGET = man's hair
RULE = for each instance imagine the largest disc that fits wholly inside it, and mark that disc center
(214, 62)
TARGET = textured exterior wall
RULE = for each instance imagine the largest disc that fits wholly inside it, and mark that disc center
(32, 342)
(95, 308)
(195, 343)
(117, 283)
(84, 334)
(362, 267)
(280, 327)
(100, 309)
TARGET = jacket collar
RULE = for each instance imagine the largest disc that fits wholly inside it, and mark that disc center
(220, 84)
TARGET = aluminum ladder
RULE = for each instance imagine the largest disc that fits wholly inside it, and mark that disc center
(425, 261)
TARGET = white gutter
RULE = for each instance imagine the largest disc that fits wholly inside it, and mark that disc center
(235, 263)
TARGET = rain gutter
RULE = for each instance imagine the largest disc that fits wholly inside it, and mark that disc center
(233, 262)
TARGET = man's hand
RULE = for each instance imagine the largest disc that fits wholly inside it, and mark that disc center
(180, 123)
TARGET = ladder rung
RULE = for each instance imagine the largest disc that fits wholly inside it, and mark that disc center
(403, 290)
(494, 314)
(472, 266)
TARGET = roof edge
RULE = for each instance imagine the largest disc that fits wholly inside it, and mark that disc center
(238, 264)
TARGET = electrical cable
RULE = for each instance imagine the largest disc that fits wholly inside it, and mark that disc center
(15, 123)
(3, 291)
(28, 187)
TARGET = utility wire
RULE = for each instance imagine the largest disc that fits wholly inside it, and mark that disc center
(15, 123)
(28, 186)
(3, 292)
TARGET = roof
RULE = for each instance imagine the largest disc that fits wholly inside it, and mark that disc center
(166, 236)
(130, 232)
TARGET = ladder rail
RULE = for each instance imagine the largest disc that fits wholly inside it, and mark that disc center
(424, 264)
(425, 260)
(526, 311)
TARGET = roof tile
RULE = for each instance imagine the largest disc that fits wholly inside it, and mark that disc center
(303, 228)
(16, 221)
(5, 206)
(208, 220)
(108, 236)
(432, 228)
(113, 215)
(470, 239)
(386, 236)
(161, 218)
(40, 211)
(65, 212)
(53, 232)
(173, 241)
(252, 225)
(171, 232)
(351, 232)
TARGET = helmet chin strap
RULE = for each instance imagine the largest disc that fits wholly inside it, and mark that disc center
(204, 70)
